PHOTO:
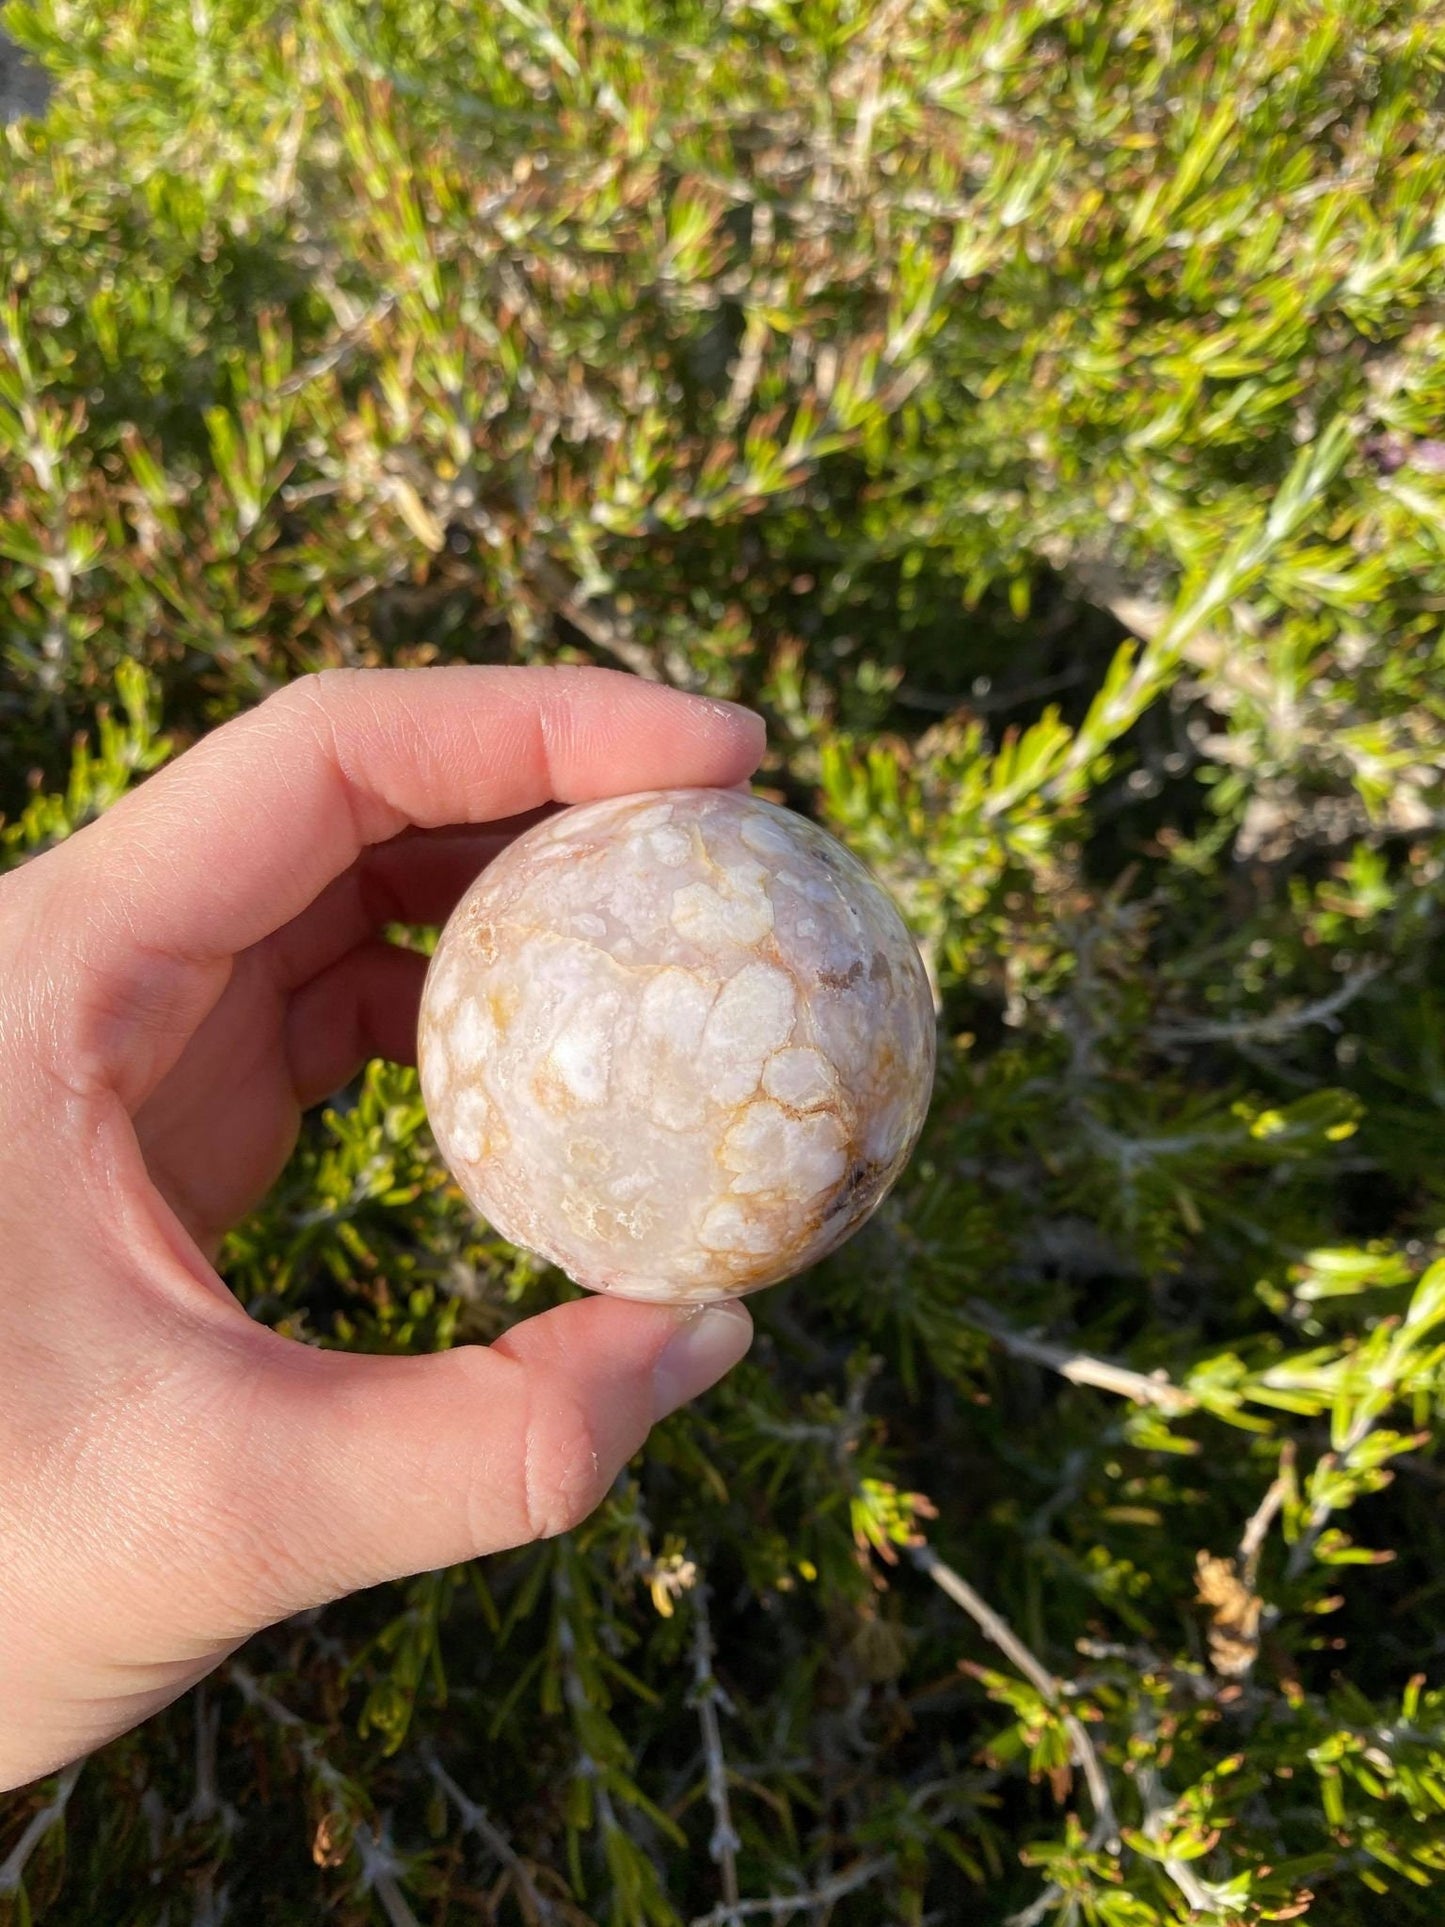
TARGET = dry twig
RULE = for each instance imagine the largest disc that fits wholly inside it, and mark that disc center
(783, 1906)
(708, 1697)
(1270, 1026)
(475, 1820)
(1050, 1688)
(41, 1823)
(1083, 1368)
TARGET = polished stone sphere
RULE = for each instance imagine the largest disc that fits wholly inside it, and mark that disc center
(680, 1044)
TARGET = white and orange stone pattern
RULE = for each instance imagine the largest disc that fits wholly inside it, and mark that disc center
(680, 1044)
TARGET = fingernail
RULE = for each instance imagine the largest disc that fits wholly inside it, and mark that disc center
(708, 1343)
(731, 711)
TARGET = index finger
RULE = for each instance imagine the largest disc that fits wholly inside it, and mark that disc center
(238, 835)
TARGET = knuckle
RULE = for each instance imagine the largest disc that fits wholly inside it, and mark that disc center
(313, 701)
(317, 688)
(563, 1477)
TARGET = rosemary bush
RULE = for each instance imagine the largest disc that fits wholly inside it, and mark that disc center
(1036, 410)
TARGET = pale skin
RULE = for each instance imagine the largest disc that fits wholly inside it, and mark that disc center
(178, 982)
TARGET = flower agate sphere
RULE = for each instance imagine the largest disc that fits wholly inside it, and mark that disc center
(681, 1044)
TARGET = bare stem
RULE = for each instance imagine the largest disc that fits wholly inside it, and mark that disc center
(609, 631)
(1083, 1368)
(204, 1801)
(380, 1864)
(1157, 1816)
(708, 1697)
(1273, 1025)
(1158, 1812)
(474, 1818)
(1319, 1514)
(49, 1817)
(1036, 1910)
(1257, 1526)
(340, 349)
(994, 1627)
(379, 1869)
(781, 1906)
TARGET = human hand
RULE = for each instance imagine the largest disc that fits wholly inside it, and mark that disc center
(177, 982)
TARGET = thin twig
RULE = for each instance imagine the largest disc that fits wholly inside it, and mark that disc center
(1083, 1368)
(332, 356)
(610, 632)
(574, 1693)
(1273, 1024)
(1048, 1685)
(749, 364)
(204, 1801)
(1303, 1549)
(708, 1697)
(981, 702)
(1157, 1816)
(379, 1863)
(1256, 1529)
(475, 1820)
(206, 1805)
(380, 1866)
(41, 1823)
(862, 77)
(1103, 585)
(1158, 1812)
(1037, 1910)
(781, 1906)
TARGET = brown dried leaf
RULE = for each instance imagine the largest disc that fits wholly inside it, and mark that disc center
(1234, 1614)
(330, 1843)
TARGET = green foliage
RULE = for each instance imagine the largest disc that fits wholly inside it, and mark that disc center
(1036, 411)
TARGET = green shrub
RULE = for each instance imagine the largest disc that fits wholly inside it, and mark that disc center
(1037, 411)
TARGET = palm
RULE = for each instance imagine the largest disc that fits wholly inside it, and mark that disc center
(213, 1162)
(300, 1012)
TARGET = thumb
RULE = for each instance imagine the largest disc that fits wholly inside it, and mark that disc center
(362, 1469)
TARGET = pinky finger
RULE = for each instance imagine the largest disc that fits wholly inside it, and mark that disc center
(362, 1006)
